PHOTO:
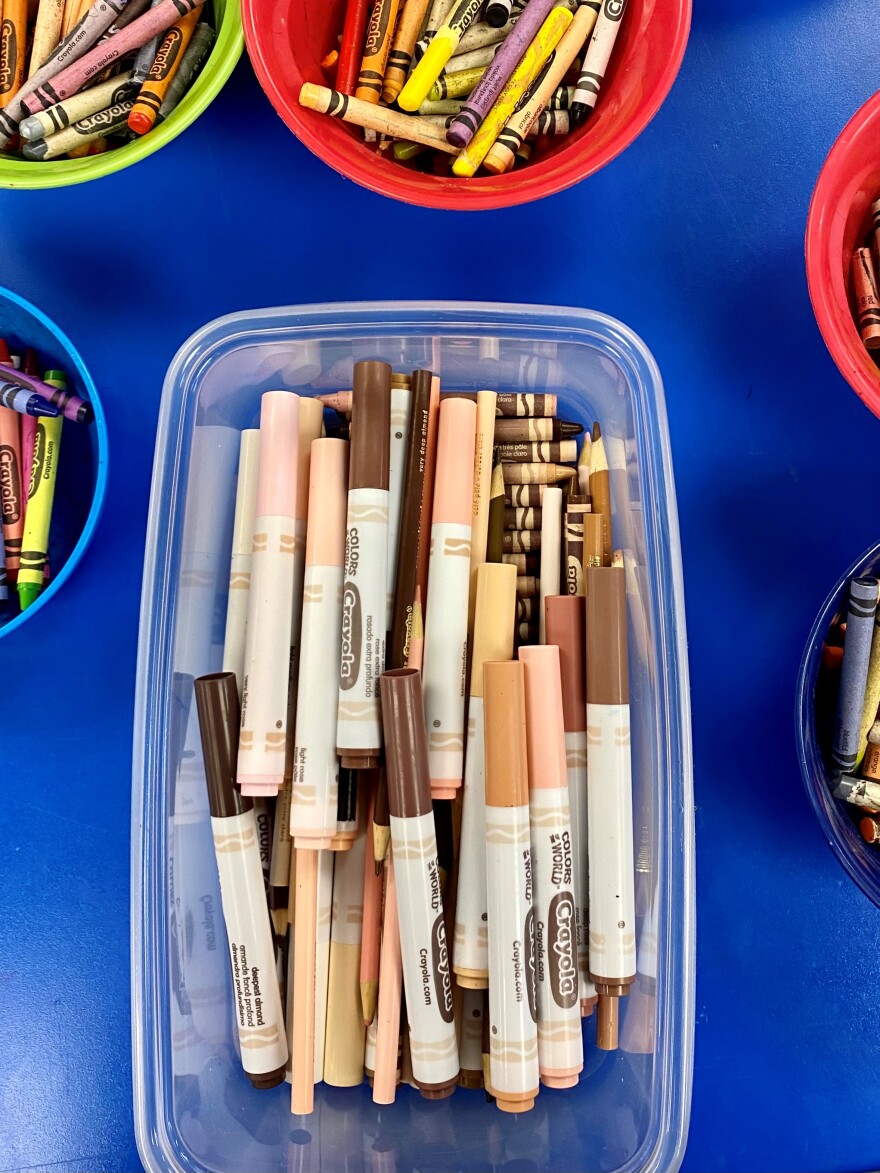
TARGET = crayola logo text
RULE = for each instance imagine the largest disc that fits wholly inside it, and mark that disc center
(529, 942)
(352, 624)
(167, 55)
(440, 959)
(376, 29)
(561, 950)
(10, 497)
(8, 55)
(614, 9)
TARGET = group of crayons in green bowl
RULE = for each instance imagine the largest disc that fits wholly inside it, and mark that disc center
(32, 415)
(81, 78)
(443, 845)
(468, 84)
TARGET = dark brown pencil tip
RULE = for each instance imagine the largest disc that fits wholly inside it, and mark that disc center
(597, 432)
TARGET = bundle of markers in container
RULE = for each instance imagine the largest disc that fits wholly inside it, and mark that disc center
(468, 84)
(865, 266)
(425, 660)
(848, 705)
(83, 77)
(33, 407)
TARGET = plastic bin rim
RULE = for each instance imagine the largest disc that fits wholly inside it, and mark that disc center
(101, 472)
(194, 356)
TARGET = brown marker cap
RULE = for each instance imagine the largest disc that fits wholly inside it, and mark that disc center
(370, 425)
(607, 669)
(219, 721)
(406, 743)
(565, 628)
(504, 715)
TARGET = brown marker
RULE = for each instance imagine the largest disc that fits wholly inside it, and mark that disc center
(427, 976)
(358, 726)
(610, 831)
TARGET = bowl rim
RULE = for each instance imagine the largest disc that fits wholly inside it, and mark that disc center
(494, 193)
(845, 347)
(101, 472)
(22, 175)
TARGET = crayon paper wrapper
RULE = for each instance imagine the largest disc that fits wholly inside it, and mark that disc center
(471, 951)
(612, 900)
(424, 954)
(362, 658)
(513, 1035)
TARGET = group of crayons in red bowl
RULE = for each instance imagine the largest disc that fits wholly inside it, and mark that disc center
(32, 414)
(445, 897)
(459, 85)
(80, 78)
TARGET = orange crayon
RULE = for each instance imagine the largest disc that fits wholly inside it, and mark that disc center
(166, 64)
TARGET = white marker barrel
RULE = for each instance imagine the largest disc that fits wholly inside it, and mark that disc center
(240, 562)
(401, 404)
(513, 1033)
(470, 1043)
(262, 744)
(446, 617)
(551, 552)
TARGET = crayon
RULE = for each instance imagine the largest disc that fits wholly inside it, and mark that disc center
(378, 118)
(610, 821)
(380, 30)
(600, 489)
(481, 35)
(438, 53)
(527, 632)
(488, 124)
(503, 151)
(596, 59)
(412, 17)
(521, 541)
(4, 578)
(345, 1033)
(522, 518)
(47, 32)
(520, 562)
(535, 474)
(24, 402)
(13, 45)
(527, 586)
(493, 640)
(259, 1016)
(446, 617)
(73, 13)
(554, 123)
(162, 71)
(872, 692)
(132, 10)
(554, 451)
(437, 13)
(869, 829)
(475, 59)
(509, 405)
(535, 431)
(498, 12)
(488, 89)
(99, 97)
(560, 1046)
(362, 658)
(867, 298)
(524, 496)
(401, 406)
(495, 547)
(72, 78)
(146, 56)
(513, 1054)
(483, 460)
(240, 563)
(87, 130)
(446, 106)
(193, 59)
(314, 791)
(350, 50)
(457, 84)
(38, 517)
(261, 754)
(370, 1054)
(854, 672)
(576, 512)
(470, 1044)
(426, 973)
(859, 792)
(14, 482)
(371, 899)
(386, 1023)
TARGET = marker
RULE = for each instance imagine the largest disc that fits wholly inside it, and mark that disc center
(362, 659)
(371, 899)
(345, 1033)
(240, 564)
(386, 1023)
(314, 792)
(560, 1046)
(513, 1053)
(25, 402)
(445, 654)
(609, 766)
(433, 1042)
(470, 1044)
(482, 491)
(493, 640)
(596, 60)
(551, 552)
(257, 1000)
(565, 628)
(264, 695)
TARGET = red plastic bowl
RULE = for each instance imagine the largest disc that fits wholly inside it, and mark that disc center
(287, 39)
(837, 223)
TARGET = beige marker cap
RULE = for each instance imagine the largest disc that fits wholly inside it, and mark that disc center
(328, 503)
(507, 771)
(493, 618)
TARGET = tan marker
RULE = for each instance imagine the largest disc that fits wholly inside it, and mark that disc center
(493, 640)
(612, 896)
(256, 997)
(345, 1034)
(560, 1046)
(513, 1046)
(426, 974)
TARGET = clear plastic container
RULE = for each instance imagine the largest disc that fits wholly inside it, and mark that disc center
(194, 1109)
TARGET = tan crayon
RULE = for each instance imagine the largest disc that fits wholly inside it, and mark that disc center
(559, 451)
(47, 32)
(524, 496)
(521, 541)
(527, 586)
(378, 118)
(536, 474)
(867, 299)
(522, 518)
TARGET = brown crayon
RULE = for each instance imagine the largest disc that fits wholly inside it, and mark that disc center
(867, 299)
(519, 541)
(522, 518)
(525, 610)
(527, 586)
(534, 431)
(524, 496)
(559, 451)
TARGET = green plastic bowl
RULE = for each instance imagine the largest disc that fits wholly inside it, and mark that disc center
(19, 173)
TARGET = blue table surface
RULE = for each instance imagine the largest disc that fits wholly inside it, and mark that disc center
(694, 237)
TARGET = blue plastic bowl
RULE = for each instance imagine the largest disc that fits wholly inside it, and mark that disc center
(82, 467)
(859, 859)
